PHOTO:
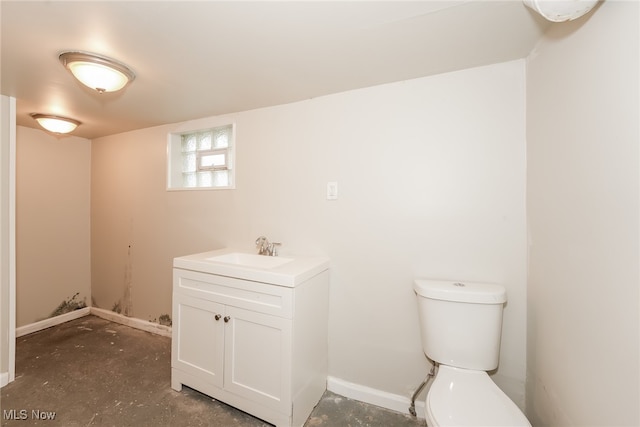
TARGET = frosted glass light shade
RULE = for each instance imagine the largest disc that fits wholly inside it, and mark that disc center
(561, 10)
(56, 124)
(97, 72)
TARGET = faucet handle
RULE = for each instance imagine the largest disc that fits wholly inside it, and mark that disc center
(263, 244)
(274, 248)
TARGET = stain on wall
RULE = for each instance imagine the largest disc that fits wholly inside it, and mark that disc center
(117, 307)
(127, 300)
(68, 305)
(164, 319)
(124, 305)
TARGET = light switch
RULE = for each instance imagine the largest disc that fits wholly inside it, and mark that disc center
(332, 190)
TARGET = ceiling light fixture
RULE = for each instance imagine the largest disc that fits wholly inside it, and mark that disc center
(561, 10)
(56, 124)
(96, 71)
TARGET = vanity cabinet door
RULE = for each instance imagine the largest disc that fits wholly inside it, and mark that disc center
(258, 357)
(198, 338)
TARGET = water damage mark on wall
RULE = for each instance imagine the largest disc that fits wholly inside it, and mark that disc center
(68, 305)
(127, 301)
(164, 319)
(124, 305)
(117, 307)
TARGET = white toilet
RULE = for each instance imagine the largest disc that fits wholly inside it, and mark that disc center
(461, 324)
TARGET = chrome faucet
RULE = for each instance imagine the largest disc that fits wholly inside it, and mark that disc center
(266, 248)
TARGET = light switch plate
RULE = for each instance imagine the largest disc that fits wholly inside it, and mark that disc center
(332, 190)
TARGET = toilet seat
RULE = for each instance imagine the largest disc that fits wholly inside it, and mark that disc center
(463, 397)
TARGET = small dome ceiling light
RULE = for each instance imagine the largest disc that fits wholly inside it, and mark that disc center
(96, 71)
(56, 124)
(561, 10)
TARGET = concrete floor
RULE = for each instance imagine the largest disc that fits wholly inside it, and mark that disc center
(92, 372)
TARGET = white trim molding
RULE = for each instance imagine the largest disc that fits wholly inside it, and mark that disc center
(4, 379)
(8, 240)
(144, 325)
(133, 322)
(52, 321)
(372, 396)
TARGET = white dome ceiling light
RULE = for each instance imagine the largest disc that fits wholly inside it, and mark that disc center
(561, 10)
(56, 124)
(96, 71)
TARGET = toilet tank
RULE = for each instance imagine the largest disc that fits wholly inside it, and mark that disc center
(461, 322)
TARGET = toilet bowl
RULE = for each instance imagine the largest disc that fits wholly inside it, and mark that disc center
(462, 397)
(461, 326)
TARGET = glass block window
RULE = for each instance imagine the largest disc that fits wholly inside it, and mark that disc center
(205, 159)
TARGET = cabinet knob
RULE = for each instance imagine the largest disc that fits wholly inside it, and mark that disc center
(226, 319)
(218, 316)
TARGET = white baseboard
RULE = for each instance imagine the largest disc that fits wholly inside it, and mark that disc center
(373, 396)
(133, 322)
(52, 321)
(4, 379)
(154, 328)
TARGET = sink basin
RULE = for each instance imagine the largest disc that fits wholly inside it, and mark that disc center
(242, 259)
(284, 271)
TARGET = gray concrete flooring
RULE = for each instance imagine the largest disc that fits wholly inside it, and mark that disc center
(92, 372)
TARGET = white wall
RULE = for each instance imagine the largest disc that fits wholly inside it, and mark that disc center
(431, 176)
(583, 209)
(52, 226)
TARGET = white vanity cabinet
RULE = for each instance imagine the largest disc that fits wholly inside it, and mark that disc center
(260, 347)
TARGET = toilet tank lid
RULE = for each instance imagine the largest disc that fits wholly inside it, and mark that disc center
(471, 292)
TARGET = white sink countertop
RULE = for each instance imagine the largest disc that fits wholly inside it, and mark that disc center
(284, 271)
